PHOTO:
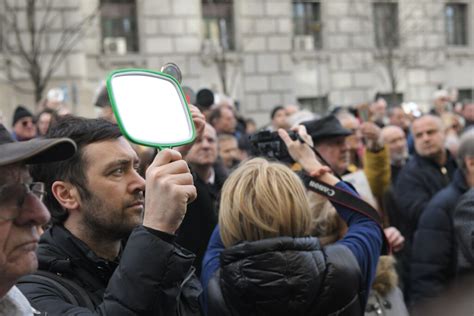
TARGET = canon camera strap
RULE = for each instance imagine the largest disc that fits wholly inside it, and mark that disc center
(348, 200)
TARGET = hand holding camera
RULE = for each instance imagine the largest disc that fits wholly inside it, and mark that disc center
(301, 152)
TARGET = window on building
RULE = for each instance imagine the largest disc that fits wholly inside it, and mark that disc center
(455, 15)
(307, 25)
(119, 26)
(317, 105)
(391, 98)
(386, 24)
(465, 94)
(218, 23)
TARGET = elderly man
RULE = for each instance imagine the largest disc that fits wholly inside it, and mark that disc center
(22, 213)
(441, 102)
(394, 138)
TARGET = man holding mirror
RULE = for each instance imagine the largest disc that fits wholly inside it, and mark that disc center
(96, 200)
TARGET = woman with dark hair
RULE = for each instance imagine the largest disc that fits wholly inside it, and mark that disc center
(261, 259)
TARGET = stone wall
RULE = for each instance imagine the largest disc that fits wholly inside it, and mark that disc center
(265, 70)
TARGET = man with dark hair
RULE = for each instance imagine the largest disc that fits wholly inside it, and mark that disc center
(21, 212)
(229, 152)
(102, 102)
(96, 201)
(23, 124)
(279, 118)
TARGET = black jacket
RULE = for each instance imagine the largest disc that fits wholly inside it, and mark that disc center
(154, 277)
(417, 183)
(286, 276)
(201, 216)
(433, 262)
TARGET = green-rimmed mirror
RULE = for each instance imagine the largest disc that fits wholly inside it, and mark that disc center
(150, 108)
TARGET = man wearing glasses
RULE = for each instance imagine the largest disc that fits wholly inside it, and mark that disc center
(22, 212)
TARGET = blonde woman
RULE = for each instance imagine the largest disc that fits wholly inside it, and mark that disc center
(261, 259)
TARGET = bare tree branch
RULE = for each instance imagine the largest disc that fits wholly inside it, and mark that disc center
(38, 60)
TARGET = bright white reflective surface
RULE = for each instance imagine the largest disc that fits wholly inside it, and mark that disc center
(151, 109)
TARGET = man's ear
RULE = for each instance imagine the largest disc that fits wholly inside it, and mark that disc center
(66, 194)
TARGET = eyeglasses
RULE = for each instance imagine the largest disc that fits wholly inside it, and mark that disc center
(13, 197)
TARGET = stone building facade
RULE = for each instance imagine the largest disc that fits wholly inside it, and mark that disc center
(268, 66)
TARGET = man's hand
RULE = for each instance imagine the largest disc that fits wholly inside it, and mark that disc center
(372, 135)
(169, 188)
(302, 153)
(395, 238)
(198, 119)
(199, 123)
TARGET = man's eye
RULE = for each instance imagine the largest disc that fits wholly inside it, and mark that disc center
(118, 172)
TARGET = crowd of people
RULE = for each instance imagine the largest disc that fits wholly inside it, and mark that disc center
(91, 224)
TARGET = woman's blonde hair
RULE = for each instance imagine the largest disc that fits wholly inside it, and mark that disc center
(327, 225)
(263, 199)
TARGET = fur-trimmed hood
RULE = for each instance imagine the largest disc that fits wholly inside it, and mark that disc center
(386, 278)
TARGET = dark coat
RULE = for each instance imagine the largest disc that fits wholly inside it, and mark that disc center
(154, 277)
(201, 217)
(433, 262)
(286, 276)
(417, 183)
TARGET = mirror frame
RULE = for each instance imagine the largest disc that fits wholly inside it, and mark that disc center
(120, 72)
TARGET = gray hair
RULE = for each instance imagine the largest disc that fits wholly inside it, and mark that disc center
(466, 148)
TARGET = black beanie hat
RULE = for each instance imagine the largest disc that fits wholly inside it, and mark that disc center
(204, 98)
(20, 112)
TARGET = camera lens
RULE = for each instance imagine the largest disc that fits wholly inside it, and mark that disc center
(172, 70)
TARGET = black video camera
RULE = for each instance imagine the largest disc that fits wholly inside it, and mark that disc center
(269, 145)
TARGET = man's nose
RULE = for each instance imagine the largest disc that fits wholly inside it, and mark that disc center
(137, 182)
(33, 212)
(425, 137)
(205, 143)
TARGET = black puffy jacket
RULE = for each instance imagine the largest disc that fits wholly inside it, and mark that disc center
(433, 262)
(286, 276)
(154, 277)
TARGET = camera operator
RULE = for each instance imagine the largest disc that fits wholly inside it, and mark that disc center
(266, 262)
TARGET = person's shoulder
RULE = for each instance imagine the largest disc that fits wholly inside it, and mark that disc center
(445, 198)
(437, 211)
(340, 257)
